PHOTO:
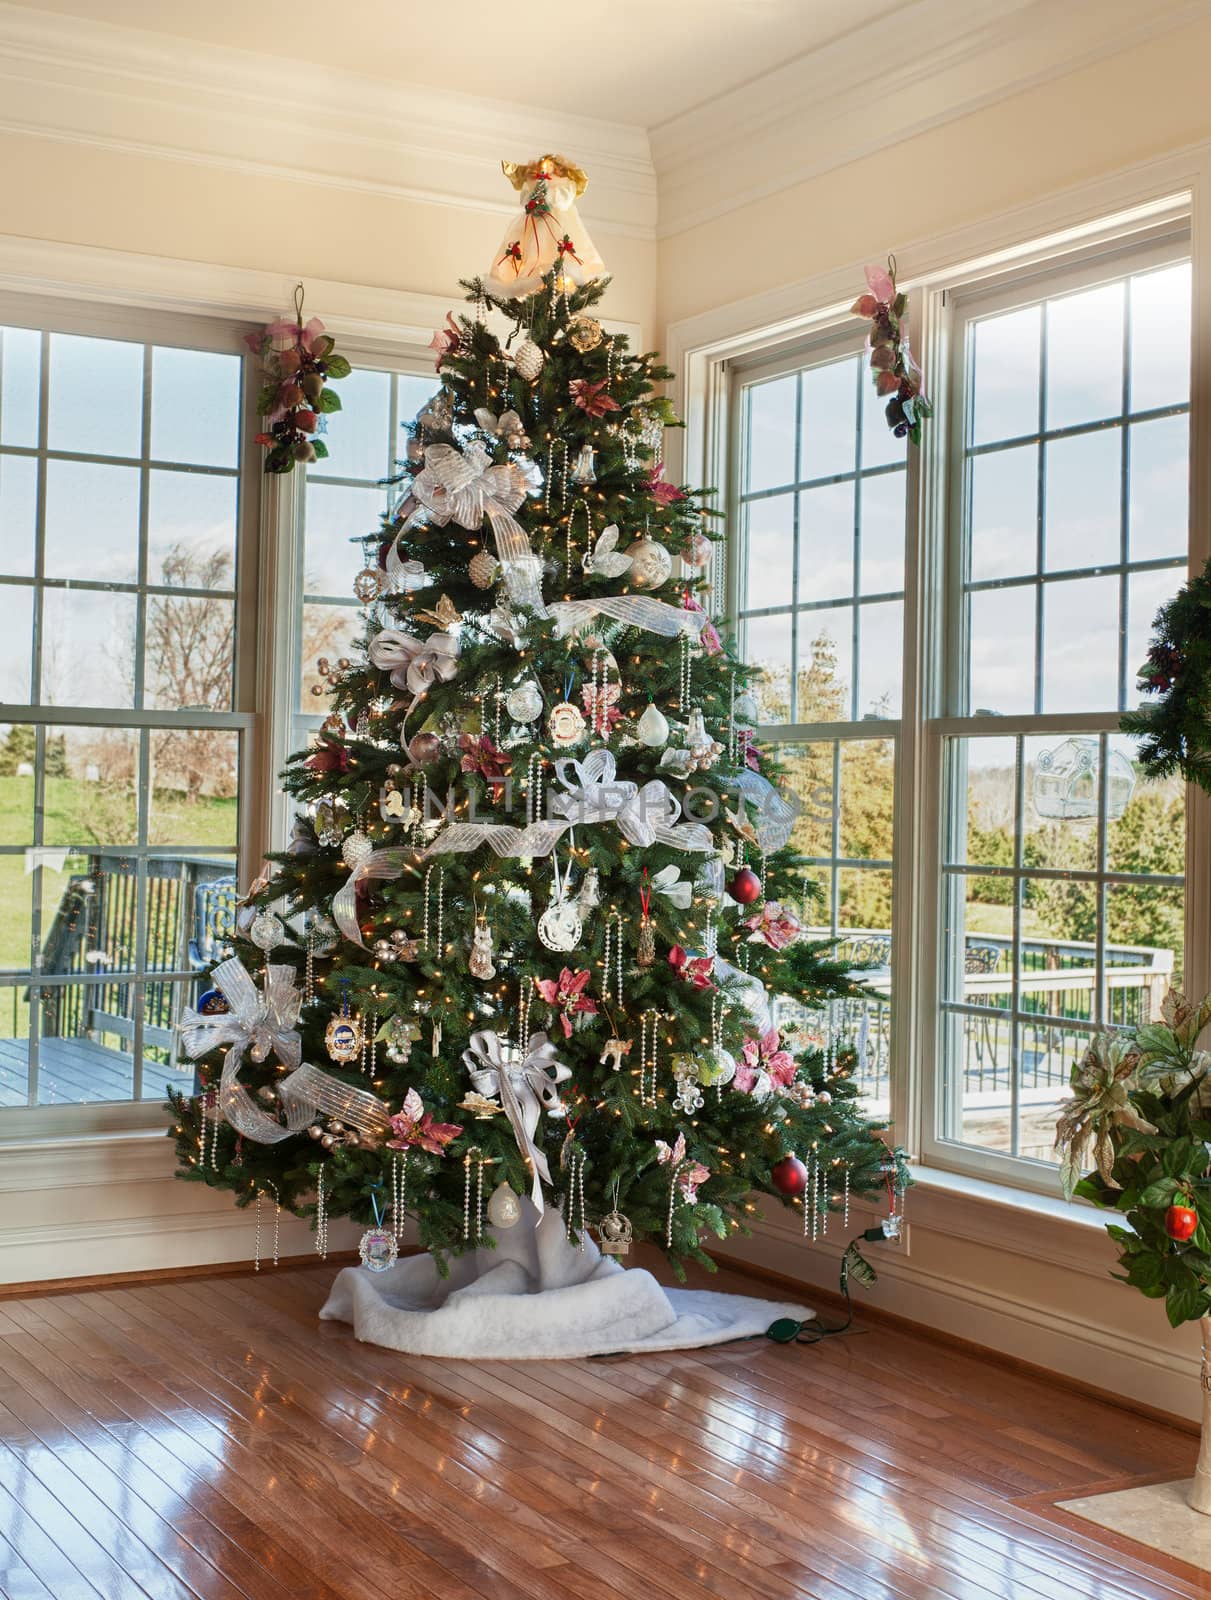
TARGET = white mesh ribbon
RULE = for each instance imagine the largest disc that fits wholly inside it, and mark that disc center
(776, 812)
(463, 486)
(413, 663)
(259, 1021)
(310, 1090)
(526, 1082)
(643, 816)
(381, 865)
(635, 610)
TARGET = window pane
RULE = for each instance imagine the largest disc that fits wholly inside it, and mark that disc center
(16, 644)
(770, 434)
(882, 547)
(92, 522)
(18, 514)
(189, 650)
(357, 434)
(868, 771)
(809, 776)
(768, 646)
(195, 775)
(85, 1050)
(770, 552)
(1061, 801)
(982, 775)
(336, 514)
(191, 530)
(1080, 645)
(1001, 635)
(830, 399)
(1160, 488)
(864, 903)
(1085, 356)
(1147, 592)
(163, 1061)
(14, 1045)
(414, 392)
(88, 648)
(826, 542)
(330, 632)
(16, 925)
(96, 396)
(1160, 337)
(88, 914)
(1048, 1053)
(1148, 833)
(195, 406)
(1145, 925)
(18, 745)
(20, 368)
(880, 653)
(1082, 516)
(826, 653)
(1004, 513)
(91, 786)
(1005, 389)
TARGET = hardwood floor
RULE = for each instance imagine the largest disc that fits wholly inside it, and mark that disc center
(209, 1438)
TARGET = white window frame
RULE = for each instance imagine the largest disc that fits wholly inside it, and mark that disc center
(705, 352)
(148, 326)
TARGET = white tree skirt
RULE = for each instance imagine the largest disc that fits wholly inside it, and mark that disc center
(536, 1297)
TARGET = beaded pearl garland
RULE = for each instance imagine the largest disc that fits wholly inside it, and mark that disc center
(611, 956)
(576, 1213)
(399, 1193)
(534, 788)
(474, 1157)
(556, 450)
(683, 700)
(321, 1216)
(441, 911)
(649, 1022)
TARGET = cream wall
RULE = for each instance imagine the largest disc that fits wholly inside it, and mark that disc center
(1120, 111)
(119, 199)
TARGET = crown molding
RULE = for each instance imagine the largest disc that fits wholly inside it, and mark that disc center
(879, 85)
(113, 87)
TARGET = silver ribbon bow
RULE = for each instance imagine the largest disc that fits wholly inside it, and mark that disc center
(259, 1021)
(381, 865)
(677, 890)
(634, 610)
(776, 811)
(642, 816)
(463, 486)
(526, 1082)
(413, 663)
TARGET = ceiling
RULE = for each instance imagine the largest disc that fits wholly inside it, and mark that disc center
(642, 62)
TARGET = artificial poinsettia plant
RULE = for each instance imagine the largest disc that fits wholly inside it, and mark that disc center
(1141, 1112)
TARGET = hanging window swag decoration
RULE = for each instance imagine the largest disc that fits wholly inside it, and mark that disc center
(299, 361)
(1175, 733)
(897, 376)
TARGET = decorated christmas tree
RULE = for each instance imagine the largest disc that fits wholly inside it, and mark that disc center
(538, 926)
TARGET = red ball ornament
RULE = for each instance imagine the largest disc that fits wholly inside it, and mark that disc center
(790, 1177)
(1180, 1222)
(424, 747)
(745, 887)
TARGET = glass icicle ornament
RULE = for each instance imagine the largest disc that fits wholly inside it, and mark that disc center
(584, 468)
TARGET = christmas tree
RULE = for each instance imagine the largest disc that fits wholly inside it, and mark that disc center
(539, 905)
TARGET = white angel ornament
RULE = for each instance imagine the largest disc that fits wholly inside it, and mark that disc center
(547, 232)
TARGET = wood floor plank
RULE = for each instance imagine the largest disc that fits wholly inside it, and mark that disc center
(207, 1439)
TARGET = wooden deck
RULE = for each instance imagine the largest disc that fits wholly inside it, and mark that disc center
(208, 1439)
(79, 1072)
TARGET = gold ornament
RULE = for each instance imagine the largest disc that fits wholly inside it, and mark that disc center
(343, 1036)
(443, 615)
(369, 584)
(585, 334)
(483, 570)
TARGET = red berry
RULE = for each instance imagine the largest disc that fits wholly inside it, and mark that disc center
(1180, 1222)
(789, 1177)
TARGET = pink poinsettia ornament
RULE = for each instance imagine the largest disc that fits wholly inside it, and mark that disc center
(690, 1174)
(481, 755)
(414, 1128)
(445, 340)
(591, 397)
(566, 996)
(764, 1066)
(773, 925)
(711, 642)
(694, 969)
(664, 494)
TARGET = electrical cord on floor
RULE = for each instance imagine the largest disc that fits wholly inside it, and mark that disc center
(786, 1330)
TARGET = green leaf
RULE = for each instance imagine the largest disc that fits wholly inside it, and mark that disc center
(321, 449)
(1185, 1302)
(1160, 1193)
(329, 401)
(337, 366)
(1184, 1158)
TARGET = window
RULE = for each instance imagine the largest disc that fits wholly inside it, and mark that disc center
(1062, 873)
(821, 509)
(124, 565)
(343, 502)
(1048, 519)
